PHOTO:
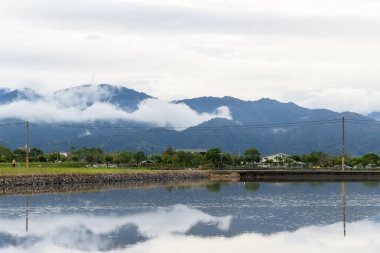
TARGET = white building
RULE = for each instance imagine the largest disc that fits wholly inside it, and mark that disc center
(276, 158)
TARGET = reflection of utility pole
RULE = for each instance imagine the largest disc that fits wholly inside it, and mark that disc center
(344, 207)
(27, 214)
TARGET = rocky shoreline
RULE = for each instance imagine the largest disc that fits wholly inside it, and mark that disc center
(77, 182)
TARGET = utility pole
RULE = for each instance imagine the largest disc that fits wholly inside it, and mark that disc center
(343, 144)
(57, 151)
(27, 145)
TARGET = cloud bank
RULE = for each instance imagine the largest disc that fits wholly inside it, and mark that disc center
(150, 111)
(344, 99)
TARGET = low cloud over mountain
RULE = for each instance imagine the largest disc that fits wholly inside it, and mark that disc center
(102, 103)
(117, 118)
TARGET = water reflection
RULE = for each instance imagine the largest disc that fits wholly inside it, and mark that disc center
(214, 187)
(27, 213)
(268, 217)
(344, 207)
(91, 233)
(251, 186)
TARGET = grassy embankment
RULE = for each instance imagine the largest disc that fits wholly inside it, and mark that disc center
(54, 169)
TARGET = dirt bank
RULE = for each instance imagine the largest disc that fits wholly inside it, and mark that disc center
(73, 182)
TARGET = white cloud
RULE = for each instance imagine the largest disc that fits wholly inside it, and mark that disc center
(85, 133)
(82, 96)
(279, 130)
(344, 99)
(151, 111)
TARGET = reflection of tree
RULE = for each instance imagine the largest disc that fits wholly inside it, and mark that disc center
(251, 186)
(316, 184)
(184, 187)
(215, 187)
(371, 184)
(169, 188)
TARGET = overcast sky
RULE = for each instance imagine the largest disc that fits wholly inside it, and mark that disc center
(323, 53)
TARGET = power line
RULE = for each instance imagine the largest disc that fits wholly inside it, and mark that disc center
(12, 124)
(202, 128)
(246, 126)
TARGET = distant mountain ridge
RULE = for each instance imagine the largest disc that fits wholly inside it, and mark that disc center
(262, 111)
(229, 135)
(87, 95)
(7, 96)
(82, 96)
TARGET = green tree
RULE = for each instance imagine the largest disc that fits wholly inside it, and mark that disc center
(183, 158)
(53, 157)
(91, 155)
(225, 158)
(90, 159)
(370, 158)
(295, 158)
(19, 154)
(214, 156)
(168, 155)
(356, 162)
(74, 157)
(6, 154)
(125, 157)
(155, 158)
(139, 156)
(251, 155)
(196, 159)
(109, 159)
(36, 155)
(319, 159)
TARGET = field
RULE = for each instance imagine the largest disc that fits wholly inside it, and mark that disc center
(54, 169)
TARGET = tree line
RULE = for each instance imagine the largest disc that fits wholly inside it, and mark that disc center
(94, 155)
(213, 157)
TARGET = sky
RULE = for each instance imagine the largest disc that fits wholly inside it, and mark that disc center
(318, 54)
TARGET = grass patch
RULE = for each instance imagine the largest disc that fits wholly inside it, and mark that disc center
(22, 170)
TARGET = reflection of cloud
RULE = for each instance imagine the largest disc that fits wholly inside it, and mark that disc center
(99, 232)
(361, 235)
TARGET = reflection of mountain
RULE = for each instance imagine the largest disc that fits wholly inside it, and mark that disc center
(82, 238)
(136, 218)
(91, 233)
(263, 208)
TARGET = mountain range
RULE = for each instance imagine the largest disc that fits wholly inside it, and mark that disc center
(266, 124)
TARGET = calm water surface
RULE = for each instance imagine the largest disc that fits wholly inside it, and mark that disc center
(264, 217)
